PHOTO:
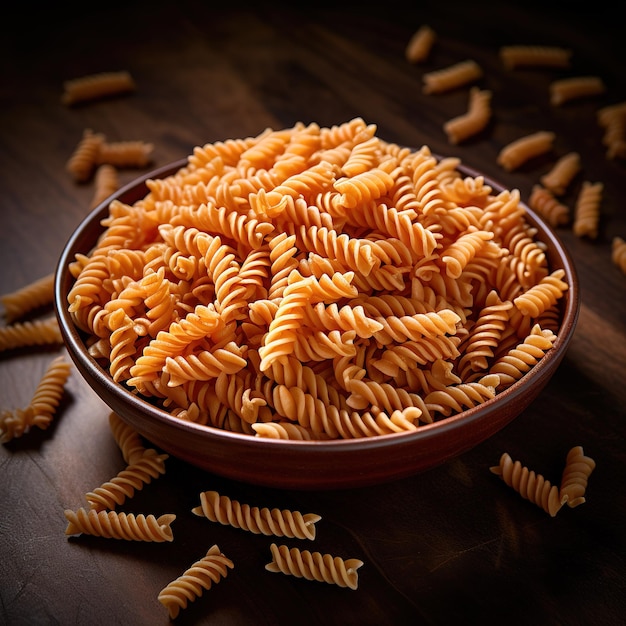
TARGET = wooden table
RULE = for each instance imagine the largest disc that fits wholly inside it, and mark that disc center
(453, 545)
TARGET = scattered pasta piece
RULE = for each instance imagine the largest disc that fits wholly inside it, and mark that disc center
(521, 150)
(419, 46)
(36, 294)
(587, 210)
(476, 119)
(82, 162)
(314, 566)
(264, 521)
(127, 438)
(535, 56)
(562, 173)
(106, 183)
(97, 86)
(131, 479)
(543, 201)
(209, 570)
(531, 486)
(618, 253)
(613, 119)
(43, 405)
(123, 154)
(118, 525)
(578, 468)
(565, 89)
(452, 77)
(26, 334)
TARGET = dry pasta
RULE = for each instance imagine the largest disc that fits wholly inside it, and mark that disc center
(613, 119)
(189, 586)
(127, 439)
(125, 154)
(82, 162)
(42, 406)
(118, 525)
(264, 521)
(26, 334)
(292, 299)
(618, 253)
(33, 295)
(96, 86)
(419, 46)
(543, 201)
(565, 89)
(562, 173)
(587, 209)
(476, 118)
(514, 56)
(530, 485)
(521, 150)
(106, 182)
(315, 566)
(574, 480)
(451, 77)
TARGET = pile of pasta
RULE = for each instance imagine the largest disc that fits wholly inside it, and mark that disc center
(317, 283)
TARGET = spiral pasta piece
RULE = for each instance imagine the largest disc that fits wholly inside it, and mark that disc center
(514, 56)
(118, 525)
(96, 86)
(265, 521)
(543, 201)
(462, 396)
(562, 173)
(618, 253)
(36, 333)
(517, 152)
(587, 210)
(420, 44)
(543, 295)
(82, 162)
(127, 439)
(478, 114)
(314, 566)
(452, 77)
(578, 468)
(190, 585)
(565, 89)
(27, 298)
(530, 485)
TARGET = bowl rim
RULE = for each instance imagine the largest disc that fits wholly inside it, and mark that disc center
(468, 417)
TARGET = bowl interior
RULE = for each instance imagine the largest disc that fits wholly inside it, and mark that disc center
(309, 464)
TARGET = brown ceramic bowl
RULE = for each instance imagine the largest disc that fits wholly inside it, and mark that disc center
(310, 465)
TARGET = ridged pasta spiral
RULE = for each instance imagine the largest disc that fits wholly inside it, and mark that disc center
(33, 295)
(190, 585)
(478, 114)
(314, 566)
(83, 160)
(35, 333)
(265, 521)
(543, 201)
(127, 438)
(530, 485)
(587, 210)
(578, 468)
(543, 295)
(562, 173)
(618, 253)
(456, 398)
(96, 86)
(118, 525)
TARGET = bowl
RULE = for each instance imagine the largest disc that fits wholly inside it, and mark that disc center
(304, 464)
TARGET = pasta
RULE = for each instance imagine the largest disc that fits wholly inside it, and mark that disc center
(35, 333)
(314, 566)
(83, 160)
(201, 575)
(96, 86)
(562, 173)
(118, 525)
(127, 438)
(618, 253)
(613, 119)
(515, 56)
(476, 119)
(452, 77)
(42, 406)
(128, 481)
(419, 46)
(566, 89)
(21, 301)
(106, 183)
(319, 299)
(264, 521)
(587, 209)
(530, 485)
(543, 201)
(578, 468)
(520, 150)
(124, 153)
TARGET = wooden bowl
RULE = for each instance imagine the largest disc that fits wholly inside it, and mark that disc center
(310, 465)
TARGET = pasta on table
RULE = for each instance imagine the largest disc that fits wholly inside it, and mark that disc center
(315, 283)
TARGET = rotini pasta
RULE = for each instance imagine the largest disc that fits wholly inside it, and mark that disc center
(122, 154)
(478, 114)
(574, 480)
(612, 119)
(314, 297)
(189, 586)
(82, 162)
(420, 44)
(28, 298)
(315, 566)
(127, 439)
(106, 181)
(562, 173)
(515, 56)
(618, 253)
(264, 521)
(587, 209)
(566, 89)
(35, 333)
(118, 525)
(96, 86)
(543, 201)
(452, 77)
(521, 150)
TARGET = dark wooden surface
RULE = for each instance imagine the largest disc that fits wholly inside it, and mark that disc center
(451, 546)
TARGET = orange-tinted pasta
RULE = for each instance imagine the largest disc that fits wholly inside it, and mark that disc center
(96, 86)
(562, 173)
(587, 209)
(421, 42)
(514, 56)
(83, 160)
(106, 182)
(517, 152)
(613, 119)
(565, 89)
(122, 154)
(543, 201)
(35, 333)
(578, 468)
(21, 301)
(618, 253)
(478, 114)
(451, 77)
